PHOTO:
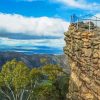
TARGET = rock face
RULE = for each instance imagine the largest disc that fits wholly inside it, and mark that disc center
(83, 51)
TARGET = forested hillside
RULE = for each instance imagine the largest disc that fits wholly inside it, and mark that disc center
(35, 60)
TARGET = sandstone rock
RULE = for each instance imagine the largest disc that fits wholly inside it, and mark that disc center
(83, 50)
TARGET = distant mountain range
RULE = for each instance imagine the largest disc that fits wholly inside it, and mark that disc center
(35, 60)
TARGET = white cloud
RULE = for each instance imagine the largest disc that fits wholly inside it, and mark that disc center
(83, 4)
(42, 26)
(12, 24)
(29, 44)
(98, 15)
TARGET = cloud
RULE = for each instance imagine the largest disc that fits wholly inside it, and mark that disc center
(23, 34)
(98, 15)
(53, 46)
(20, 26)
(31, 43)
(82, 4)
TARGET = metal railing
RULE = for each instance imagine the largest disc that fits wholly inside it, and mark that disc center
(86, 19)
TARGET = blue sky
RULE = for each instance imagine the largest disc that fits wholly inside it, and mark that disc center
(37, 26)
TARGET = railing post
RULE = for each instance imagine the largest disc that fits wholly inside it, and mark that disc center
(89, 25)
(96, 21)
(71, 19)
(77, 23)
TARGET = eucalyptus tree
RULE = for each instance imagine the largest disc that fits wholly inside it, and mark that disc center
(14, 80)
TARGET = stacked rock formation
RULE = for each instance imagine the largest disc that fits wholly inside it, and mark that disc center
(83, 51)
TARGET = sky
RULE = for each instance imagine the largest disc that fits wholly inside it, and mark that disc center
(38, 26)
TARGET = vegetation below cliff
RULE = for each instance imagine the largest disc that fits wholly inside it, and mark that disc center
(19, 82)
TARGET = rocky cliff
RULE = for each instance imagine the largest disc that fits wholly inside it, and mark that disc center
(83, 51)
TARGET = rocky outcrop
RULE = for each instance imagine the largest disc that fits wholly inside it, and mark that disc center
(83, 51)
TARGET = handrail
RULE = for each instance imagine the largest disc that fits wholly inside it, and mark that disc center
(89, 17)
